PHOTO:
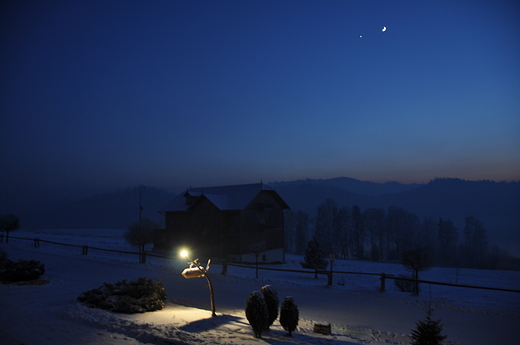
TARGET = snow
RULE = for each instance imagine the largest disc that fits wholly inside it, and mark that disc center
(358, 312)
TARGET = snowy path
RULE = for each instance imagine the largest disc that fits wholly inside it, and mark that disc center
(49, 314)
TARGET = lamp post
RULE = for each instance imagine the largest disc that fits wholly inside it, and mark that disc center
(195, 271)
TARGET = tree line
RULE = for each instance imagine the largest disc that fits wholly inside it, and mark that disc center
(386, 235)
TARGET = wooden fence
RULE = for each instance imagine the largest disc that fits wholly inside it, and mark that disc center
(382, 276)
(85, 248)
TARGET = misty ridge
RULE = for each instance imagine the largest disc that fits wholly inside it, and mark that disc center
(495, 204)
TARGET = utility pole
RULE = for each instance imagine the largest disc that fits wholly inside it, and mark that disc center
(140, 205)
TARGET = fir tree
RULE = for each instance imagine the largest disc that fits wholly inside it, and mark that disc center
(289, 315)
(314, 257)
(428, 331)
(272, 302)
(256, 313)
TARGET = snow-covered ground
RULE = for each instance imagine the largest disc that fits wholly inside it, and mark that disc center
(358, 312)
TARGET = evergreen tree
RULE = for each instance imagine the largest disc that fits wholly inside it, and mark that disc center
(324, 224)
(373, 219)
(342, 234)
(314, 257)
(448, 237)
(358, 249)
(476, 243)
(428, 331)
(289, 315)
(272, 302)
(256, 313)
(302, 230)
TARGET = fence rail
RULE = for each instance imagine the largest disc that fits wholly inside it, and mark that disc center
(383, 276)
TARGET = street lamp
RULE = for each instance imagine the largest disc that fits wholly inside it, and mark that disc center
(195, 271)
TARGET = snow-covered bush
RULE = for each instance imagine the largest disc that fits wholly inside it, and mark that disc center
(256, 313)
(405, 285)
(289, 315)
(136, 296)
(272, 302)
(21, 270)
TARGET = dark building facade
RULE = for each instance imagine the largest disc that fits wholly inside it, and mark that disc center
(229, 222)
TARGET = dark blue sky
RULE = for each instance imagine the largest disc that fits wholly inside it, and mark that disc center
(99, 95)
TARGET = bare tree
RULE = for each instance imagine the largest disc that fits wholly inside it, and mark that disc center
(141, 233)
(417, 260)
(9, 223)
(476, 243)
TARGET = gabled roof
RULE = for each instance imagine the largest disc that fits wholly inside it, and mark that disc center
(235, 197)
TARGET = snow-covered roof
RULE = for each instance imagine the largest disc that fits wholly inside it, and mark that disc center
(235, 197)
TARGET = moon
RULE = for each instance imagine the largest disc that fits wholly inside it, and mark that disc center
(384, 29)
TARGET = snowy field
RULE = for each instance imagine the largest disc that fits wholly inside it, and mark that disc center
(358, 312)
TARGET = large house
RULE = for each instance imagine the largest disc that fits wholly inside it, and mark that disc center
(238, 223)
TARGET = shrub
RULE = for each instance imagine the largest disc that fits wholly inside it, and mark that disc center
(289, 315)
(256, 313)
(21, 270)
(272, 302)
(137, 296)
(405, 285)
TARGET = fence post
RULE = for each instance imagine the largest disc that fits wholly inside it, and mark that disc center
(383, 282)
(329, 278)
(36, 242)
(2, 238)
(84, 250)
(329, 281)
(224, 269)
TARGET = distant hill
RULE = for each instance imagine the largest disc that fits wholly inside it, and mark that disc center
(114, 210)
(497, 204)
(354, 186)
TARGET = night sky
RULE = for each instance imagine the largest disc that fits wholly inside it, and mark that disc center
(100, 95)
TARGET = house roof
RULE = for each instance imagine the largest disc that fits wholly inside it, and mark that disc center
(235, 197)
